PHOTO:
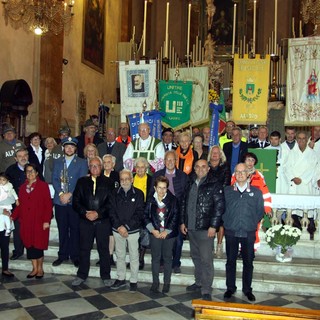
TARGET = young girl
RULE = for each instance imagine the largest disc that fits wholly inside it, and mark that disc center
(8, 196)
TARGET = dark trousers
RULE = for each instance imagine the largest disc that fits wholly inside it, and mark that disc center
(201, 251)
(177, 250)
(89, 231)
(161, 247)
(17, 242)
(4, 246)
(247, 252)
(68, 227)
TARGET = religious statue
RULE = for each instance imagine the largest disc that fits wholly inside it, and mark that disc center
(211, 10)
(208, 49)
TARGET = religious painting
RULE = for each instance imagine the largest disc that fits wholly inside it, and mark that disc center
(138, 83)
(93, 34)
(221, 25)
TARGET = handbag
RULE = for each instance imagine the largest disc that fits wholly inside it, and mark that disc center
(144, 238)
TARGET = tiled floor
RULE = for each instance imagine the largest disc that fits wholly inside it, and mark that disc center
(53, 297)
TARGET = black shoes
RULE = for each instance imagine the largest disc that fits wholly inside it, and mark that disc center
(228, 294)
(7, 274)
(166, 288)
(250, 296)
(40, 277)
(193, 287)
(206, 297)
(57, 262)
(133, 287)
(15, 256)
(30, 275)
(76, 263)
(155, 288)
(118, 284)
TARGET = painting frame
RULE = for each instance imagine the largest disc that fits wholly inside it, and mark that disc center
(93, 34)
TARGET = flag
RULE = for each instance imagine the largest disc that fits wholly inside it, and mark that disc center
(251, 89)
(303, 98)
(222, 114)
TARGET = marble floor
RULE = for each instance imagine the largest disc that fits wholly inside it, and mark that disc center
(53, 297)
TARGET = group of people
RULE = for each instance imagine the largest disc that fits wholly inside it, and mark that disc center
(115, 190)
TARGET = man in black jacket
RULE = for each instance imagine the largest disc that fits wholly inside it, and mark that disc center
(201, 212)
(126, 214)
(91, 201)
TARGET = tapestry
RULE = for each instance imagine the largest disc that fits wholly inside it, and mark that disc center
(250, 89)
(200, 103)
(137, 86)
(175, 101)
(303, 100)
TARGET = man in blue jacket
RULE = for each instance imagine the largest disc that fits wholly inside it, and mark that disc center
(244, 210)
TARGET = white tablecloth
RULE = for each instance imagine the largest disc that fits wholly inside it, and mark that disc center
(292, 201)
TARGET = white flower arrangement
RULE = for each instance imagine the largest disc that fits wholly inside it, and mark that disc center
(283, 236)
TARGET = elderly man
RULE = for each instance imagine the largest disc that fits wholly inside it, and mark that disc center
(126, 214)
(235, 150)
(226, 136)
(145, 146)
(299, 171)
(89, 135)
(244, 210)
(91, 201)
(178, 181)
(8, 146)
(111, 146)
(123, 136)
(201, 211)
(17, 177)
(261, 142)
(66, 171)
(206, 139)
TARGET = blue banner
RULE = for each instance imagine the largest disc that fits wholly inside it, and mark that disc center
(214, 126)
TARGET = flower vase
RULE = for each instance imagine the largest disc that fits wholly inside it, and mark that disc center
(284, 257)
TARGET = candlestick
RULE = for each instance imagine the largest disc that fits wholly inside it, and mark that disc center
(275, 25)
(293, 32)
(254, 26)
(144, 28)
(167, 33)
(234, 27)
(188, 34)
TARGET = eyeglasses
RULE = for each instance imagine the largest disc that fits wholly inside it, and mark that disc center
(125, 179)
(144, 129)
(94, 165)
(30, 171)
(123, 128)
(240, 172)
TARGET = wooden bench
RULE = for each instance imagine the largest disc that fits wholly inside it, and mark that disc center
(223, 310)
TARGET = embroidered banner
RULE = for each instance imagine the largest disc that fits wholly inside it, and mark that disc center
(175, 101)
(200, 103)
(137, 85)
(303, 99)
(250, 89)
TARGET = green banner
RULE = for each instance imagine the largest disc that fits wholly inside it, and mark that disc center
(267, 165)
(175, 100)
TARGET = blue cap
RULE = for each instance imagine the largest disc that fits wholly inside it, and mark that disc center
(69, 140)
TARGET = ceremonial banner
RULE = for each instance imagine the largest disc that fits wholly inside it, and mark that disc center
(267, 165)
(303, 100)
(250, 89)
(137, 85)
(153, 118)
(200, 103)
(175, 101)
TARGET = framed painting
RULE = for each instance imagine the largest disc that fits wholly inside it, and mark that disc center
(93, 34)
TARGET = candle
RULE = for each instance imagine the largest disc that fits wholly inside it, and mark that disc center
(234, 27)
(133, 32)
(275, 25)
(293, 33)
(144, 28)
(300, 29)
(188, 34)
(167, 33)
(254, 26)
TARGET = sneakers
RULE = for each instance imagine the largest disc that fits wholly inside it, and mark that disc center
(219, 251)
(133, 287)
(177, 270)
(77, 281)
(193, 287)
(166, 288)
(118, 284)
(108, 282)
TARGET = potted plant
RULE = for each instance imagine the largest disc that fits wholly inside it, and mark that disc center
(282, 238)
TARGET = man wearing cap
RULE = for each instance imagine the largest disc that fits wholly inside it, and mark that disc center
(66, 171)
(167, 139)
(111, 146)
(57, 151)
(262, 139)
(8, 146)
(89, 135)
(253, 133)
